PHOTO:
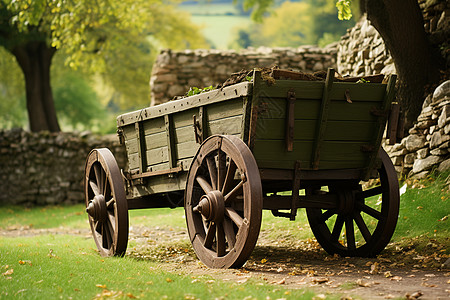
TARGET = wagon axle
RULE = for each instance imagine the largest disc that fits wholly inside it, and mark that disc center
(97, 208)
(212, 206)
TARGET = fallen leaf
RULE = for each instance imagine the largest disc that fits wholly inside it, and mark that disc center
(320, 280)
(263, 261)
(169, 280)
(8, 272)
(279, 270)
(430, 275)
(130, 295)
(102, 286)
(388, 274)
(396, 278)
(374, 268)
(413, 296)
(282, 281)
(363, 283)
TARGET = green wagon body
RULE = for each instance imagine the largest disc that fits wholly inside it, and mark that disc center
(336, 126)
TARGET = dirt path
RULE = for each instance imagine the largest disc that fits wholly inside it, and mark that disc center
(397, 273)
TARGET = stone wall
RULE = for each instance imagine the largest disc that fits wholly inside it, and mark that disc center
(427, 145)
(362, 51)
(45, 168)
(175, 72)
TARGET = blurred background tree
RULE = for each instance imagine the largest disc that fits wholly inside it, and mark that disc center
(291, 24)
(117, 40)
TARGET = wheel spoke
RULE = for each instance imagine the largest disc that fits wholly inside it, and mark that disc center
(110, 203)
(326, 215)
(371, 192)
(229, 177)
(222, 169)
(94, 188)
(110, 231)
(362, 226)
(220, 240)
(98, 176)
(204, 184)
(106, 239)
(106, 187)
(234, 192)
(350, 233)
(210, 235)
(234, 216)
(212, 169)
(98, 227)
(112, 220)
(337, 229)
(229, 233)
(370, 211)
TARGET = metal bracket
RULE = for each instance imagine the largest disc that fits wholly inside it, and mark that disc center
(197, 131)
(290, 120)
(295, 191)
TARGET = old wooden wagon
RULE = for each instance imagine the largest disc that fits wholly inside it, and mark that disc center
(227, 154)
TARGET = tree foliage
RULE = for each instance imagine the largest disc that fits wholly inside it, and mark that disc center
(293, 24)
(117, 39)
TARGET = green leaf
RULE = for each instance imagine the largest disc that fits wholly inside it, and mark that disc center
(344, 10)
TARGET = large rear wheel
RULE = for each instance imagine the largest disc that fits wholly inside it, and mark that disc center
(223, 202)
(363, 224)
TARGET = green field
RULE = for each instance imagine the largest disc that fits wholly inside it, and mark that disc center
(217, 21)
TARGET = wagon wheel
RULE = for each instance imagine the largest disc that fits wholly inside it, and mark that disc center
(369, 222)
(106, 203)
(223, 202)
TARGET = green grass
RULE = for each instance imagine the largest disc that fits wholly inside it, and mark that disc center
(425, 209)
(16, 217)
(64, 267)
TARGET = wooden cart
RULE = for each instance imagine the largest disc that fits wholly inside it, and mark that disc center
(228, 154)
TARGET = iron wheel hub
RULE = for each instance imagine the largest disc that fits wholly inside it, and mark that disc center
(212, 206)
(97, 208)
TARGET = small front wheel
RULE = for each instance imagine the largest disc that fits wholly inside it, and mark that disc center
(223, 202)
(106, 203)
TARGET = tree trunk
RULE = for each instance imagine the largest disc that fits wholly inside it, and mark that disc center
(34, 58)
(400, 23)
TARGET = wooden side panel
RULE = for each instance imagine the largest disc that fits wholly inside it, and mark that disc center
(349, 127)
(220, 118)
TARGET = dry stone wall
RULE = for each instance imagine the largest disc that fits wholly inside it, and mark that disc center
(46, 168)
(361, 50)
(427, 145)
(175, 72)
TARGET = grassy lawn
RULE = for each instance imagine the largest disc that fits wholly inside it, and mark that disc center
(68, 266)
(63, 266)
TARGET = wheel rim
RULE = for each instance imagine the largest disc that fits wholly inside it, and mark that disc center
(106, 204)
(223, 202)
(361, 225)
